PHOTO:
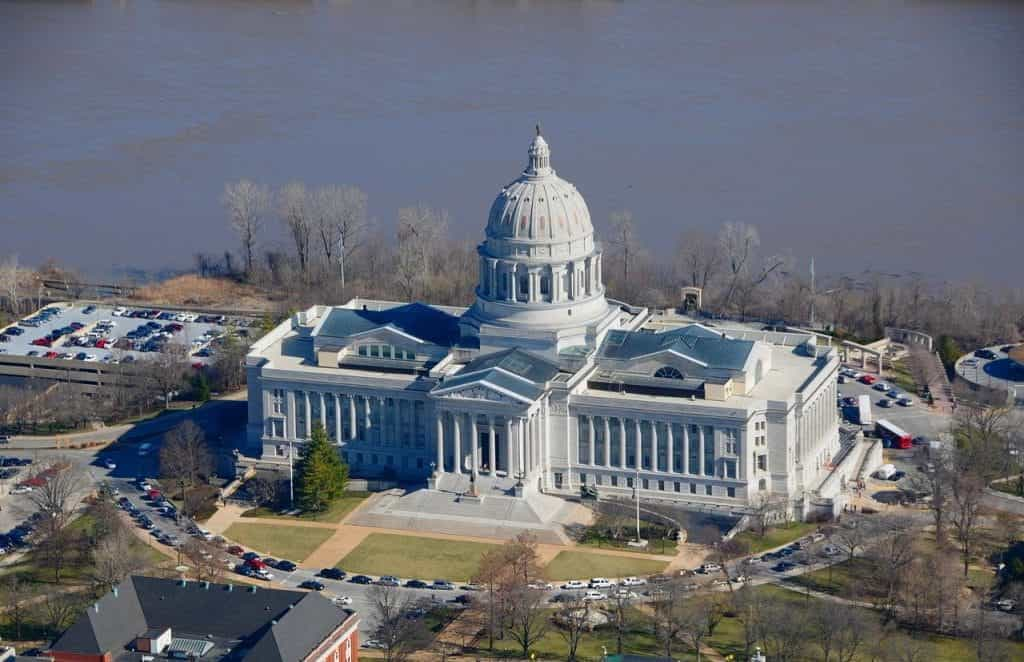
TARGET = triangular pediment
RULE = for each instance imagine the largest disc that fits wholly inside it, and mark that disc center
(481, 390)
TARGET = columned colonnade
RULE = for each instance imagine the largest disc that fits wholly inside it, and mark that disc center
(500, 280)
(470, 442)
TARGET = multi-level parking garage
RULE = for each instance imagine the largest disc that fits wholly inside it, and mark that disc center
(95, 344)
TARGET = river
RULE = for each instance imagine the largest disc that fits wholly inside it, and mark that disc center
(875, 135)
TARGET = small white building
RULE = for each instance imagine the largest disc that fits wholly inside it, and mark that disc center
(544, 384)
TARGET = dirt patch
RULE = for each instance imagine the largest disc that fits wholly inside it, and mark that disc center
(191, 290)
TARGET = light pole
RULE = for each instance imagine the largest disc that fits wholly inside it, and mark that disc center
(291, 475)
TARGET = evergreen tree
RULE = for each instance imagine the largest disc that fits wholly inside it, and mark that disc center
(320, 473)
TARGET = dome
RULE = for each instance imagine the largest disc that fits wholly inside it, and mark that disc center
(539, 205)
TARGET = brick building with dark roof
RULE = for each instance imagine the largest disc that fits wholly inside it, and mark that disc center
(176, 619)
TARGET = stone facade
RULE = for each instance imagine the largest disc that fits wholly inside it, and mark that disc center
(544, 384)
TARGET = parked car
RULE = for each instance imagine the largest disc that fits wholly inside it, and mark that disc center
(235, 550)
(885, 402)
(361, 579)
(985, 354)
(541, 585)
(868, 379)
(288, 566)
(633, 581)
(593, 596)
(312, 585)
(389, 580)
(601, 582)
(574, 584)
(331, 573)
(442, 585)
(880, 386)
(416, 583)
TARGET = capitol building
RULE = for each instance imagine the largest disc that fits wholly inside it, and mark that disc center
(546, 386)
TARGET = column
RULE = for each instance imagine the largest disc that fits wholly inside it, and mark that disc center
(639, 444)
(510, 276)
(509, 454)
(457, 436)
(521, 443)
(440, 441)
(351, 416)
(531, 285)
(476, 446)
(309, 415)
(669, 450)
(607, 441)
(686, 447)
(622, 443)
(337, 419)
(590, 441)
(556, 283)
(323, 412)
(492, 290)
(492, 458)
(654, 445)
(382, 428)
(700, 451)
(291, 414)
(367, 422)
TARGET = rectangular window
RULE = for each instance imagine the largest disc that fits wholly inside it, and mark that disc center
(583, 479)
(375, 351)
(646, 484)
(730, 441)
(694, 465)
(359, 458)
(558, 480)
(709, 450)
(629, 482)
(419, 463)
(363, 350)
(731, 491)
(707, 490)
(278, 427)
(679, 487)
(730, 468)
(693, 488)
(762, 462)
(615, 481)
(661, 485)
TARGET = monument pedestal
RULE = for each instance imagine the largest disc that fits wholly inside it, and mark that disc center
(432, 482)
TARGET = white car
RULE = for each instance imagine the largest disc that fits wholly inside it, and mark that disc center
(120, 311)
(708, 568)
(625, 594)
(633, 581)
(574, 584)
(739, 579)
(90, 358)
(343, 600)
(540, 585)
(109, 464)
(191, 317)
(21, 489)
(591, 596)
(601, 582)
(906, 401)
(881, 386)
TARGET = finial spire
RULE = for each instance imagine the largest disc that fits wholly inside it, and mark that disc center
(538, 128)
(540, 163)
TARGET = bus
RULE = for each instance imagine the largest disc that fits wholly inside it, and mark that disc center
(893, 436)
(864, 409)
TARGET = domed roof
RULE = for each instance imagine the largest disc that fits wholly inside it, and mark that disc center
(539, 205)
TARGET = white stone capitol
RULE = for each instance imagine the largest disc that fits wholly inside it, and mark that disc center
(544, 386)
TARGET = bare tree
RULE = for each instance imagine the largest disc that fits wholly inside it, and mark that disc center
(206, 559)
(491, 574)
(527, 620)
(669, 617)
(784, 629)
(185, 457)
(165, 373)
(891, 555)
(398, 635)
(853, 535)
(419, 230)
(838, 630)
(623, 238)
(63, 490)
(699, 616)
(59, 610)
(116, 556)
(10, 281)
(618, 614)
(294, 208)
(966, 493)
(700, 257)
(17, 595)
(246, 203)
(341, 221)
(739, 243)
(573, 617)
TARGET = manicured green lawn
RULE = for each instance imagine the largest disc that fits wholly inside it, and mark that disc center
(639, 640)
(660, 546)
(581, 565)
(334, 514)
(775, 536)
(294, 543)
(410, 556)
(845, 576)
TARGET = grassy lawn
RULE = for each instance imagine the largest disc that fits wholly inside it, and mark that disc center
(580, 565)
(660, 546)
(334, 514)
(410, 556)
(294, 543)
(639, 640)
(776, 536)
(1007, 486)
(845, 577)
(899, 374)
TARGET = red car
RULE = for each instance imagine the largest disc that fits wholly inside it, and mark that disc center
(42, 342)
(50, 355)
(235, 550)
(868, 379)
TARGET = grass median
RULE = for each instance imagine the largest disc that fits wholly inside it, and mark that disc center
(411, 556)
(294, 543)
(333, 515)
(775, 536)
(581, 565)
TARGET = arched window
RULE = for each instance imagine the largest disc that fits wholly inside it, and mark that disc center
(668, 372)
(758, 371)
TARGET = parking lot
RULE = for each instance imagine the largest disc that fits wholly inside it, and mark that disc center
(106, 334)
(917, 419)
